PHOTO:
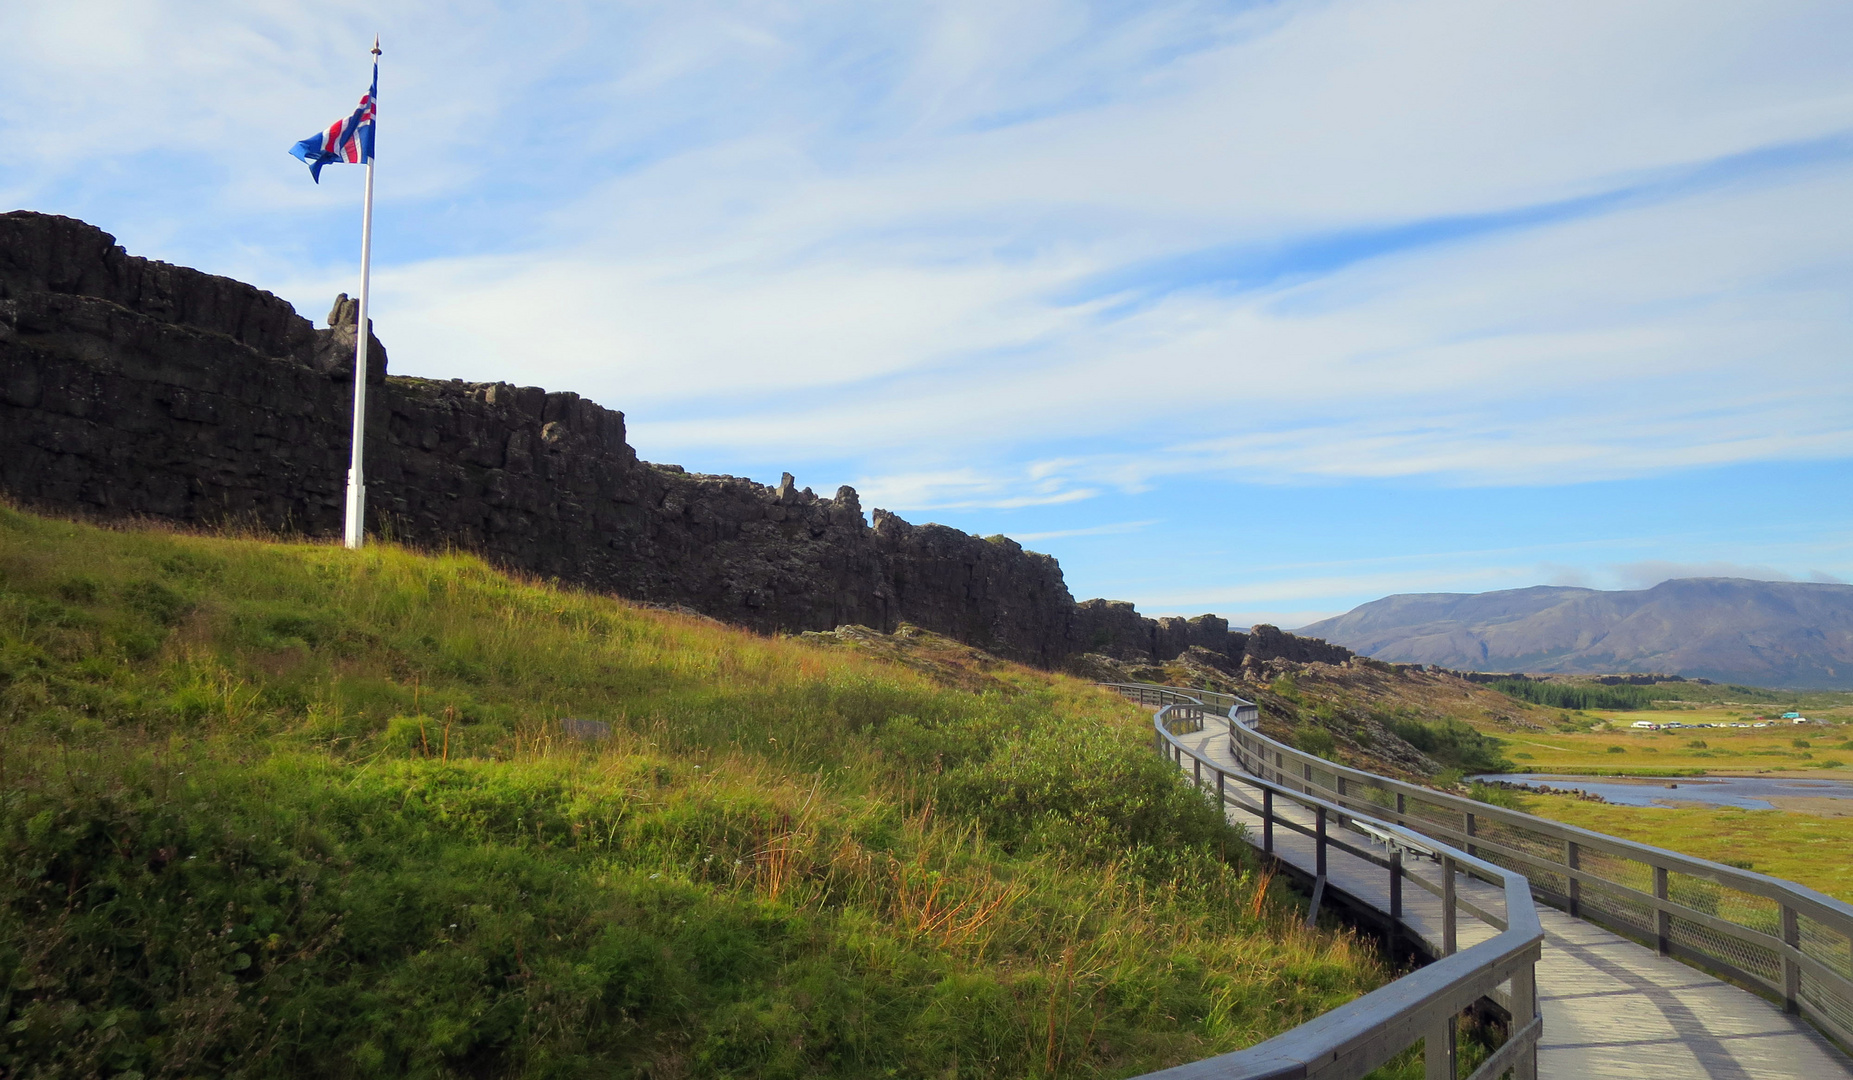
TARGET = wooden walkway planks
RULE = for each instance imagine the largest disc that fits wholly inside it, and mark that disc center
(1611, 1008)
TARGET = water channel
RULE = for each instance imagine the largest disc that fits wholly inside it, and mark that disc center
(1749, 792)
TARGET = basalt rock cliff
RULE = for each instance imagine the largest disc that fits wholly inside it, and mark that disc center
(134, 388)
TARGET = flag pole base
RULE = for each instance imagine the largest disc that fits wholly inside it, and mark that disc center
(356, 513)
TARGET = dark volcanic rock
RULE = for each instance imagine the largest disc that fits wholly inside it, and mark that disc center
(134, 388)
(984, 592)
(41, 253)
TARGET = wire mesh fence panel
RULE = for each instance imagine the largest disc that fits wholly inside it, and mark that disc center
(1549, 882)
(1616, 908)
(1830, 946)
(1617, 869)
(1733, 905)
(1542, 848)
(1758, 960)
(1325, 778)
(1434, 812)
(1827, 1000)
(1758, 913)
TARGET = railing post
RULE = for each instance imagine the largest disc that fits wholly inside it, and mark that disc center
(1267, 820)
(1396, 899)
(1469, 815)
(1222, 801)
(1319, 839)
(1791, 971)
(1573, 858)
(1448, 919)
(1663, 922)
(1307, 770)
(1399, 808)
(1524, 1010)
(1438, 1050)
(1197, 763)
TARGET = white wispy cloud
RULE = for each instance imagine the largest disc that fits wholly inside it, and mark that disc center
(1209, 237)
(972, 256)
(1650, 572)
(1116, 528)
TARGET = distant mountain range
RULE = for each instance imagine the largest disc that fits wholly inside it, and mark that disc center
(1764, 633)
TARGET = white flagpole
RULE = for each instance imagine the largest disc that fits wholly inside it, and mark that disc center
(356, 478)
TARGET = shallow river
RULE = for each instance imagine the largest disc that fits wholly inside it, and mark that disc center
(1750, 792)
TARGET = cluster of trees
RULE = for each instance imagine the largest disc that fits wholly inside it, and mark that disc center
(1568, 696)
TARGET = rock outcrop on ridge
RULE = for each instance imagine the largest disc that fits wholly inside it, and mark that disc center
(133, 388)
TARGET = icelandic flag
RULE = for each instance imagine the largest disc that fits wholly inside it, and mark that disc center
(349, 139)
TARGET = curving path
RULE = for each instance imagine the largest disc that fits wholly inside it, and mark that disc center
(1610, 1007)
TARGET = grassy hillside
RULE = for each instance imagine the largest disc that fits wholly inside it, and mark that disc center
(273, 808)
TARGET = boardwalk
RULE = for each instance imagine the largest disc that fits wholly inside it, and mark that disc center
(1611, 1008)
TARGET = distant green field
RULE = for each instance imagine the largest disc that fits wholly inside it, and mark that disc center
(277, 809)
(1800, 847)
(1753, 696)
(1589, 695)
(1617, 748)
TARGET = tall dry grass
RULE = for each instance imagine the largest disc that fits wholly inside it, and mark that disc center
(284, 808)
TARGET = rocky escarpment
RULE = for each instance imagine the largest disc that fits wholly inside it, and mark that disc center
(130, 388)
(1113, 628)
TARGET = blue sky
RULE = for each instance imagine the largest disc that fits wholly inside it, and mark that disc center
(1267, 309)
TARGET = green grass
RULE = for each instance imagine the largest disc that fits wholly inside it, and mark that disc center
(1798, 847)
(285, 809)
(1587, 695)
(1613, 748)
(1758, 696)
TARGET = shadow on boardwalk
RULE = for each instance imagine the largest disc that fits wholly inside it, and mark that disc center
(1611, 1008)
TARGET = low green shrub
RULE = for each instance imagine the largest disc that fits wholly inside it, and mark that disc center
(1453, 743)
(1495, 796)
(1315, 740)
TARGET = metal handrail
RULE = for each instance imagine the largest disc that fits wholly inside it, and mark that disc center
(1787, 941)
(1241, 710)
(1355, 1038)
